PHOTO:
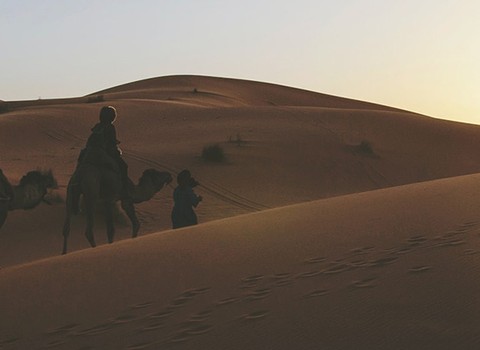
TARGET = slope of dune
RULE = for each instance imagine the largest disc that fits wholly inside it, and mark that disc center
(204, 90)
(283, 146)
(388, 269)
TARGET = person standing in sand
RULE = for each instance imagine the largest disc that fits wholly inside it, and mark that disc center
(184, 201)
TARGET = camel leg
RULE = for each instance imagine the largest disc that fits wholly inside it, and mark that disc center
(66, 232)
(73, 194)
(109, 207)
(90, 210)
(66, 225)
(129, 209)
(3, 216)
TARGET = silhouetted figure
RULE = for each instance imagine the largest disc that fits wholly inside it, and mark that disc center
(6, 197)
(6, 190)
(102, 147)
(29, 193)
(184, 201)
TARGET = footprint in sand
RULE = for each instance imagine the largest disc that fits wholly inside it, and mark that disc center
(251, 281)
(468, 226)
(416, 240)
(418, 269)
(281, 276)
(256, 315)
(359, 263)
(123, 319)
(201, 316)
(160, 315)
(383, 261)
(198, 329)
(258, 294)
(309, 274)
(281, 279)
(178, 338)
(152, 327)
(362, 250)
(139, 346)
(403, 250)
(189, 332)
(227, 301)
(54, 344)
(316, 293)
(8, 341)
(196, 291)
(315, 260)
(337, 268)
(96, 330)
(452, 235)
(141, 305)
(471, 252)
(283, 283)
(449, 243)
(64, 329)
(364, 283)
(186, 296)
(179, 302)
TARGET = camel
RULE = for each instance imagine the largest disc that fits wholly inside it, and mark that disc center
(29, 193)
(97, 183)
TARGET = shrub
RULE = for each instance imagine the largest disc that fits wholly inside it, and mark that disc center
(95, 98)
(365, 147)
(238, 140)
(213, 153)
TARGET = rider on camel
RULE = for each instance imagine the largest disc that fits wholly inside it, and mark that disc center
(104, 137)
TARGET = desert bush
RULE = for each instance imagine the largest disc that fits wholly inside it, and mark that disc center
(365, 147)
(213, 153)
(95, 98)
(238, 140)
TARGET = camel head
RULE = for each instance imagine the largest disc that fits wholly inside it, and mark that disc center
(41, 181)
(156, 179)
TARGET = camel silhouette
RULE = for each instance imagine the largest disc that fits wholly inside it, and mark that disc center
(104, 184)
(29, 193)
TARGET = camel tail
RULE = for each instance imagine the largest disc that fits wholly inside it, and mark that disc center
(71, 204)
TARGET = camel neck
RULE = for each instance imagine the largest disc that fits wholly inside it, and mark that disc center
(142, 194)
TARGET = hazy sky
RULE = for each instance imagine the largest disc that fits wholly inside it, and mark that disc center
(420, 55)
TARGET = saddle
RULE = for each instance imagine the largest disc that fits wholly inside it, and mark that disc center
(98, 157)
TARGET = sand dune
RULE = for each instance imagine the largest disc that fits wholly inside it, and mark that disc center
(301, 147)
(230, 92)
(392, 268)
(334, 223)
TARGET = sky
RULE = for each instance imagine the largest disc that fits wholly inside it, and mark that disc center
(418, 55)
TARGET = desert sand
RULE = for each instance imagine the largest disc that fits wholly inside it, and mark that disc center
(334, 223)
